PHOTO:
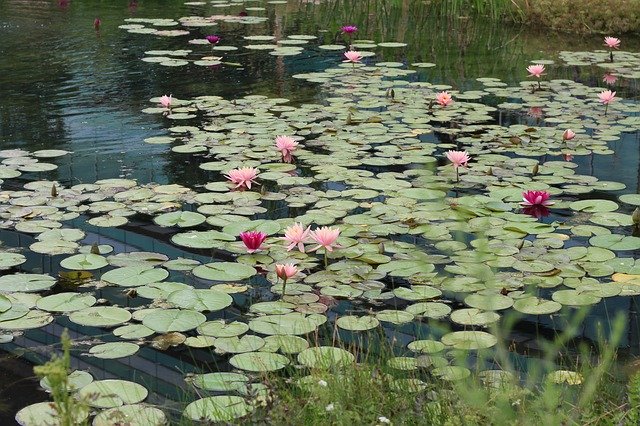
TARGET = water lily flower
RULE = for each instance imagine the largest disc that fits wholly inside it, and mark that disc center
(349, 29)
(286, 145)
(606, 97)
(536, 70)
(253, 240)
(536, 211)
(444, 98)
(535, 198)
(612, 42)
(458, 159)
(213, 39)
(535, 112)
(353, 56)
(166, 101)
(609, 78)
(325, 237)
(296, 235)
(96, 24)
(243, 177)
(286, 271)
(567, 156)
(568, 134)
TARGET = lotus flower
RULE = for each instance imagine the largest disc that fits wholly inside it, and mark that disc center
(253, 240)
(444, 98)
(353, 57)
(536, 70)
(606, 97)
(286, 145)
(243, 177)
(286, 271)
(166, 101)
(610, 79)
(296, 235)
(535, 198)
(349, 29)
(213, 39)
(568, 134)
(612, 42)
(536, 211)
(325, 237)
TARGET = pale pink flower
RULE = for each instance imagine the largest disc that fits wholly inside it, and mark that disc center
(286, 145)
(535, 112)
(610, 79)
(568, 134)
(458, 158)
(352, 56)
(166, 101)
(296, 235)
(243, 177)
(567, 156)
(253, 240)
(286, 271)
(607, 96)
(535, 198)
(612, 42)
(325, 237)
(536, 70)
(444, 98)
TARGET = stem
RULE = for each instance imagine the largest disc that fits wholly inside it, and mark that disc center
(284, 287)
(539, 86)
(457, 175)
(326, 262)
(611, 56)
(606, 107)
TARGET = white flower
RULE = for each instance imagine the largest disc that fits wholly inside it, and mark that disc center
(322, 383)
(329, 407)
(383, 419)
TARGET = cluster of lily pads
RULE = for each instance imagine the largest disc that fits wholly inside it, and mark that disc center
(418, 239)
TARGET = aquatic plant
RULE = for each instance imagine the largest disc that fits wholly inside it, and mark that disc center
(612, 43)
(284, 272)
(458, 159)
(353, 57)
(606, 97)
(166, 101)
(213, 39)
(568, 135)
(444, 98)
(296, 235)
(535, 198)
(286, 145)
(253, 240)
(536, 71)
(243, 177)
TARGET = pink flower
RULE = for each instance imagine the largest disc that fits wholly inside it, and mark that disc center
(567, 157)
(243, 177)
(286, 271)
(535, 112)
(535, 70)
(352, 56)
(535, 198)
(296, 235)
(96, 24)
(607, 96)
(325, 237)
(612, 42)
(165, 101)
(286, 145)
(609, 78)
(349, 29)
(213, 39)
(253, 240)
(458, 158)
(444, 98)
(568, 135)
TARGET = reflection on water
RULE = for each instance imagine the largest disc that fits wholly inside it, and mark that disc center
(65, 85)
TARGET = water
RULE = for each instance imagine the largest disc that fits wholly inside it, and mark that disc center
(64, 85)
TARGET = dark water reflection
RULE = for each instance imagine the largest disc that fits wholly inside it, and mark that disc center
(64, 85)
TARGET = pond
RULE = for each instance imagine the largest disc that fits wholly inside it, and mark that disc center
(120, 224)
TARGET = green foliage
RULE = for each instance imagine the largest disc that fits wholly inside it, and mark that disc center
(56, 371)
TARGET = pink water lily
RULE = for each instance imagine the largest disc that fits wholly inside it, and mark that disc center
(458, 159)
(536, 70)
(535, 112)
(612, 42)
(567, 156)
(297, 235)
(253, 240)
(606, 97)
(353, 56)
(286, 145)
(286, 271)
(243, 177)
(609, 78)
(568, 134)
(444, 98)
(349, 29)
(166, 101)
(535, 198)
(213, 39)
(325, 237)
